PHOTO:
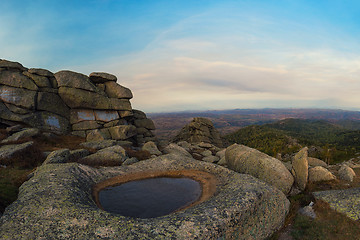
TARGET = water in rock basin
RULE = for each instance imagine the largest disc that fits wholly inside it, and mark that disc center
(151, 197)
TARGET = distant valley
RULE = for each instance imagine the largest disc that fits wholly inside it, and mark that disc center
(228, 121)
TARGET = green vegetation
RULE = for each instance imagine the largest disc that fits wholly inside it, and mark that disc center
(288, 136)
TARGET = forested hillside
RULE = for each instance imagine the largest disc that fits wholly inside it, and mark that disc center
(333, 142)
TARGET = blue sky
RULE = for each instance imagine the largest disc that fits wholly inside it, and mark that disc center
(197, 55)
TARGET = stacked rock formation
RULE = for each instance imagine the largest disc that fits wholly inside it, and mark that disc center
(199, 130)
(95, 107)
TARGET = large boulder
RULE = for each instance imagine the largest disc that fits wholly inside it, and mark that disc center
(247, 160)
(318, 173)
(114, 90)
(346, 173)
(199, 130)
(300, 168)
(76, 80)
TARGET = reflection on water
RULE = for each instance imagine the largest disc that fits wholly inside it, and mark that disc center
(151, 197)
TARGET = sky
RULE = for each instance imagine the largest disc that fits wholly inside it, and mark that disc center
(178, 55)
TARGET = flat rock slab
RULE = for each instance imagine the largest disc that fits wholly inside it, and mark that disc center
(57, 203)
(346, 201)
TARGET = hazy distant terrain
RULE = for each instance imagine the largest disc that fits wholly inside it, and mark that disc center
(227, 121)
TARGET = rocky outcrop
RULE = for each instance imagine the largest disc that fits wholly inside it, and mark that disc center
(57, 203)
(199, 130)
(30, 97)
(300, 168)
(94, 107)
(247, 160)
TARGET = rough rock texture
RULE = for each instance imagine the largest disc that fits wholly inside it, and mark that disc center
(57, 203)
(151, 148)
(318, 173)
(26, 133)
(58, 156)
(8, 151)
(114, 153)
(70, 102)
(346, 201)
(247, 160)
(300, 168)
(346, 173)
(199, 130)
(313, 162)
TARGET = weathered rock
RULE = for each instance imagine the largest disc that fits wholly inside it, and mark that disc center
(79, 133)
(17, 110)
(319, 173)
(63, 193)
(300, 168)
(139, 114)
(211, 159)
(206, 153)
(78, 153)
(222, 161)
(48, 122)
(101, 77)
(6, 114)
(114, 90)
(11, 65)
(122, 132)
(79, 115)
(74, 80)
(247, 160)
(151, 148)
(17, 79)
(27, 133)
(106, 116)
(85, 125)
(184, 145)
(52, 102)
(346, 173)
(346, 201)
(115, 123)
(197, 131)
(130, 161)
(18, 96)
(40, 81)
(41, 72)
(125, 113)
(121, 105)
(8, 151)
(78, 98)
(110, 154)
(95, 135)
(313, 162)
(175, 149)
(58, 156)
(221, 153)
(205, 145)
(99, 144)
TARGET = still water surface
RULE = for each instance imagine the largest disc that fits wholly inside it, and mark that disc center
(151, 197)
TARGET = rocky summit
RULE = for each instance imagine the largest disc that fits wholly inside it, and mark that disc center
(199, 130)
(95, 107)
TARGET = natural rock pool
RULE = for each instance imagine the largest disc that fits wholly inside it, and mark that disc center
(151, 197)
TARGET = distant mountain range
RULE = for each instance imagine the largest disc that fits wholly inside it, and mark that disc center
(228, 121)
